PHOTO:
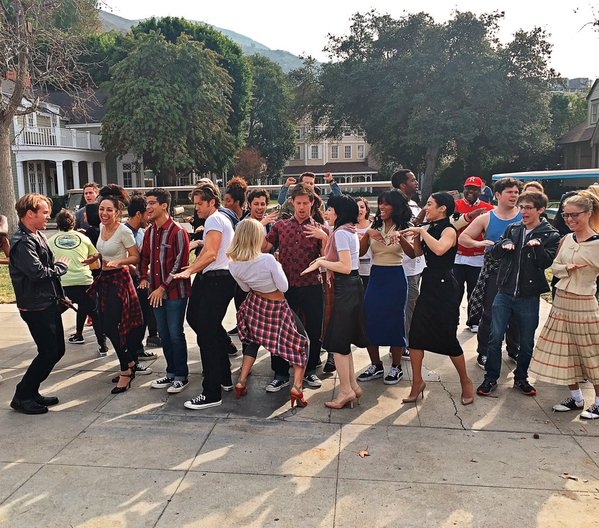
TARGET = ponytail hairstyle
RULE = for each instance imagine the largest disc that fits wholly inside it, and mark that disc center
(589, 201)
(116, 194)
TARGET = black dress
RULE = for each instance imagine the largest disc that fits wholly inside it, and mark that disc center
(437, 310)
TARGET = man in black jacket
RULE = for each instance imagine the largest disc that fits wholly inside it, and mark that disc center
(36, 282)
(525, 250)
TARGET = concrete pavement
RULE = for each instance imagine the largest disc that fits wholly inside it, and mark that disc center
(142, 459)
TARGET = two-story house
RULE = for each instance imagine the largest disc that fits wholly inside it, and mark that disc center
(581, 144)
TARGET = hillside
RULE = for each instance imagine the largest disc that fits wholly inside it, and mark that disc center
(287, 61)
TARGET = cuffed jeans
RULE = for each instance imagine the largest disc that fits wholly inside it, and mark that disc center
(526, 312)
(169, 319)
(210, 297)
(47, 332)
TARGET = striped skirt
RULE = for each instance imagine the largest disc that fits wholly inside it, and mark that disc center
(567, 350)
(273, 325)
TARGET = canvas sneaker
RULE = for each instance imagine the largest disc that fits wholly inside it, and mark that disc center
(102, 351)
(406, 354)
(276, 385)
(592, 413)
(201, 402)
(162, 383)
(146, 356)
(372, 372)
(142, 370)
(177, 386)
(76, 340)
(569, 404)
(474, 329)
(394, 376)
(312, 381)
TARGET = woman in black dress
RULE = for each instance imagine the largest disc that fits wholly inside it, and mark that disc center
(438, 304)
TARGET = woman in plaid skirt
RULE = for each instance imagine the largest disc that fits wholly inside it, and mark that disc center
(567, 350)
(264, 318)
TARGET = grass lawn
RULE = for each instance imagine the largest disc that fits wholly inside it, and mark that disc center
(6, 292)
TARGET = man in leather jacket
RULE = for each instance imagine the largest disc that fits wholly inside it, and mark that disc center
(36, 281)
(525, 250)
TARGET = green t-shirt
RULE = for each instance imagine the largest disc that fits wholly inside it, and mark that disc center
(77, 247)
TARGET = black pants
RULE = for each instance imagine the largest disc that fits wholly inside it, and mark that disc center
(47, 332)
(210, 298)
(86, 305)
(111, 321)
(469, 275)
(512, 335)
(148, 315)
(308, 303)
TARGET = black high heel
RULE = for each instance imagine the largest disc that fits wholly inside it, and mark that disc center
(119, 390)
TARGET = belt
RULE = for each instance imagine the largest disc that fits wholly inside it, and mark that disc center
(216, 273)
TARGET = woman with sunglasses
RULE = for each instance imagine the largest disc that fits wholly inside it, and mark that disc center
(567, 350)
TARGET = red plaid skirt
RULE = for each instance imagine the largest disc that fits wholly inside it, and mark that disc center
(272, 325)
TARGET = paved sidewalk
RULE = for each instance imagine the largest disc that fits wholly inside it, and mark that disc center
(140, 459)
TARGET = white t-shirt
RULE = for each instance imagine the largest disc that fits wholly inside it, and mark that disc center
(366, 258)
(116, 246)
(263, 274)
(219, 222)
(346, 241)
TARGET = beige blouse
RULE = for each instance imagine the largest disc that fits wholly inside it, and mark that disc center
(383, 254)
(581, 281)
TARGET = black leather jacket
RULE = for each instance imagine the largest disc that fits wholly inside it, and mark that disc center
(522, 270)
(34, 274)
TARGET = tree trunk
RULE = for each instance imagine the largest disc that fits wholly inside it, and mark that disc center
(7, 190)
(431, 157)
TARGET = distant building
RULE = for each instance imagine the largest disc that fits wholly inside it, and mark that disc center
(581, 144)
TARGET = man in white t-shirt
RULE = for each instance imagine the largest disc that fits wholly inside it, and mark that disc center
(211, 293)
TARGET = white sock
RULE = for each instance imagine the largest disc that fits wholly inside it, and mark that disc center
(577, 395)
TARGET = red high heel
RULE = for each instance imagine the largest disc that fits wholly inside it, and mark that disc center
(297, 397)
(241, 389)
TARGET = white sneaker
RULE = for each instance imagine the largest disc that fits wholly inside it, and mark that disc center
(177, 386)
(474, 329)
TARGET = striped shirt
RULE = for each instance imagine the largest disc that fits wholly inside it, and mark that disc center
(165, 250)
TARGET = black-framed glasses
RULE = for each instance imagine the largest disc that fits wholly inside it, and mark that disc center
(573, 216)
(526, 207)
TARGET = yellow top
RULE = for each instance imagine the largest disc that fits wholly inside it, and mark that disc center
(388, 254)
(581, 281)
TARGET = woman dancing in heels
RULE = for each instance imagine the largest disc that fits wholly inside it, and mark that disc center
(438, 305)
(264, 318)
(346, 324)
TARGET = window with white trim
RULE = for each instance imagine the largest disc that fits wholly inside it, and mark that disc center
(35, 175)
(315, 152)
(360, 152)
(32, 120)
(334, 151)
(594, 112)
(297, 153)
(127, 175)
(347, 152)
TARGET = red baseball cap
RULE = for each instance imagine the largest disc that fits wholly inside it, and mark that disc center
(474, 181)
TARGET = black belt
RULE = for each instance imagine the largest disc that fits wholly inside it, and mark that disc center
(216, 273)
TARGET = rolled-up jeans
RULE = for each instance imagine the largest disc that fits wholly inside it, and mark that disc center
(169, 319)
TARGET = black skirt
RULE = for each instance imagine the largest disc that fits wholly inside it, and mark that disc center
(347, 322)
(436, 314)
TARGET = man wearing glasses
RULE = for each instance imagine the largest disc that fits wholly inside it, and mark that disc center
(525, 250)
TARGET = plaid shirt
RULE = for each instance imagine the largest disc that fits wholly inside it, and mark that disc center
(165, 250)
(296, 251)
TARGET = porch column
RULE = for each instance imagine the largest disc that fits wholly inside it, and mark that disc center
(60, 177)
(90, 171)
(104, 175)
(20, 179)
(75, 165)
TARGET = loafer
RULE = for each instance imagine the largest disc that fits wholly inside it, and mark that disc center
(29, 406)
(48, 401)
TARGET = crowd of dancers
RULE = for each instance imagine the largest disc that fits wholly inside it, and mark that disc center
(308, 277)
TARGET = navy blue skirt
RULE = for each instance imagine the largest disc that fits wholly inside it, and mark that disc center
(385, 304)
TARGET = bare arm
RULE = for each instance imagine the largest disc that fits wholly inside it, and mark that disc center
(343, 265)
(212, 241)
(475, 229)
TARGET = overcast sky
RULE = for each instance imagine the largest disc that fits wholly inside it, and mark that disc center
(301, 28)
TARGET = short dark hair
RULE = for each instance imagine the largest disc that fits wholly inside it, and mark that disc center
(65, 220)
(346, 209)
(162, 195)
(400, 176)
(258, 193)
(301, 189)
(207, 191)
(236, 188)
(309, 174)
(446, 199)
(506, 183)
(137, 204)
(538, 199)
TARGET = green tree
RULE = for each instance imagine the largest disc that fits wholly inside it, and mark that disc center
(229, 56)
(169, 104)
(40, 43)
(417, 86)
(271, 127)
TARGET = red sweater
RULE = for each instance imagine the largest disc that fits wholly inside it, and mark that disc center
(464, 207)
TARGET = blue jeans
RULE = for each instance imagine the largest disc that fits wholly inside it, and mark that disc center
(526, 312)
(169, 319)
